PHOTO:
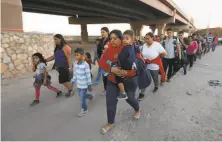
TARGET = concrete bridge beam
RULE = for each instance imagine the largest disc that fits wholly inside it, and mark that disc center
(179, 27)
(84, 33)
(73, 20)
(153, 28)
(161, 28)
(137, 28)
(11, 15)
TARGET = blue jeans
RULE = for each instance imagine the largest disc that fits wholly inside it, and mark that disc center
(98, 75)
(83, 95)
(214, 46)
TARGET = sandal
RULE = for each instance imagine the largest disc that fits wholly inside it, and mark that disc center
(137, 115)
(106, 129)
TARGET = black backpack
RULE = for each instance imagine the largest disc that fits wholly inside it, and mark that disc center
(177, 61)
(174, 43)
(144, 76)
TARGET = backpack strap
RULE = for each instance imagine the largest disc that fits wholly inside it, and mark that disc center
(175, 45)
(164, 42)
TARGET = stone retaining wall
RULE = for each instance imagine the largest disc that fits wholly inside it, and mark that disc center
(78, 38)
(17, 49)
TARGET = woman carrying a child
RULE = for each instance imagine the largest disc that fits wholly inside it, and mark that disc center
(113, 90)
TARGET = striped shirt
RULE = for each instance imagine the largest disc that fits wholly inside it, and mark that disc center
(82, 75)
(210, 38)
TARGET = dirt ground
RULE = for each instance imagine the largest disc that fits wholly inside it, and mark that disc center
(187, 108)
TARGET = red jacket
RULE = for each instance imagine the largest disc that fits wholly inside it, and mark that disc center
(158, 61)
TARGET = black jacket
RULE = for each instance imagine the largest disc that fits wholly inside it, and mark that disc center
(144, 76)
(127, 56)
(100, 46)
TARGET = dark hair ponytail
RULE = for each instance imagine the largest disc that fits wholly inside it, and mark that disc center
(118, 33)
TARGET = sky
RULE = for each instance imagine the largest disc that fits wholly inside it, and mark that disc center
(203, 12)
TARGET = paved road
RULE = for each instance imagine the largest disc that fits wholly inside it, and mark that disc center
(185, 109)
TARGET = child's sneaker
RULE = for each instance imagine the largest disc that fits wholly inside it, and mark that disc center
(95, 82)
(93, 97)
(59, 94)
(155, 89)
(82, 113)
(70, 94)
(35, 102)
(122, 96)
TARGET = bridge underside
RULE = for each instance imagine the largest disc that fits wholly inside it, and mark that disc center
(136, 12)
(129, 10)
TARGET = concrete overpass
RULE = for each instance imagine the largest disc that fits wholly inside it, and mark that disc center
(155, 13)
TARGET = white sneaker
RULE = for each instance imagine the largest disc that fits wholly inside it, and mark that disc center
(93, 96)
(82, 113)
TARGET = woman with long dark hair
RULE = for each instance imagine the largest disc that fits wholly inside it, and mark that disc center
(130, 83)
(63, 62)
(100, 48)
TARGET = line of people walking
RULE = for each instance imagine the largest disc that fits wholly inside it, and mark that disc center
(124, 64)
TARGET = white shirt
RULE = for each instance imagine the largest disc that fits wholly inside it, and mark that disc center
(151, 53)
(169, 46)
(40, 68)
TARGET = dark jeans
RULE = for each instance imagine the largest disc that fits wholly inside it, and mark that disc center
(184, 62)
(105, 79)
(111, 97)
(214, 47)
(194, 57)
(190, 59)
(204, 48)
(166, 63)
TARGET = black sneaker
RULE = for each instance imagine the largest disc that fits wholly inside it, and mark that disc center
(70, 94)
(155, 89)
(185, 72)
(122, 96)
(168, 80)
(59, 94)
(184, 69)
(141, 97)
(35, 102)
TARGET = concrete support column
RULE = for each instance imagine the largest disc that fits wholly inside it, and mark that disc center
(11, 15)
(153, 28)
(176, 31)
(137, 28)
(84, 33)
(189, 33)
(161, 28)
